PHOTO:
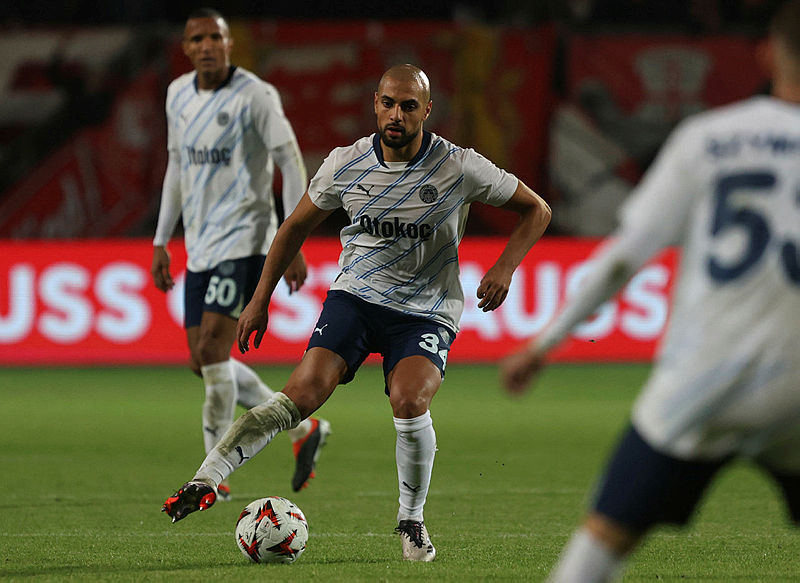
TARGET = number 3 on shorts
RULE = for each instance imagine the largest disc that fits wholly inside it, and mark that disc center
(430, 342)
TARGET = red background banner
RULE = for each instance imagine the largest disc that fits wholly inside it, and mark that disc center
(93, 302)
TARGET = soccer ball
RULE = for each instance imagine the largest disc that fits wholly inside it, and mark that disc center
(272, 530)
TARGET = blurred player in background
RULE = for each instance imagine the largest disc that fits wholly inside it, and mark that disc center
(726, 187)
(226, 131)
(407, 193)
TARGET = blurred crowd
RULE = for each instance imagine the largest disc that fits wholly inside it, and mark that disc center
(701, 14)
(597, 104)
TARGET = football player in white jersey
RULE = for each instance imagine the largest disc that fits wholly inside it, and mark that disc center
(226, 131)
(726, 383)
(406, 192)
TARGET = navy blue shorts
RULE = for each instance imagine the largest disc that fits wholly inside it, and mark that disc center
(353, 328)
(643, 487)
(225, 289)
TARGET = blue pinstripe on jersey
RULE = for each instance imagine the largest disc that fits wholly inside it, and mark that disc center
(225, 164)
(205, 175)
(421, 286)
(350, 164)
(401, 246)
(388, 189)
(404, 198)
(205, 224)
(418, 243)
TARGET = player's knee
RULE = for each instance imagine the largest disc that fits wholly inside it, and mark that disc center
(409, 403)
(410, 395)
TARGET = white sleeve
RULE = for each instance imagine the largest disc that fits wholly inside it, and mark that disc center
(269, 119)
(322, 189)
(170, 210)
(485, 182)
(654, 217)
(293, 175)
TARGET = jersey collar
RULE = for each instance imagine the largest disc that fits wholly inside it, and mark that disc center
(426, 142)
(227, 80)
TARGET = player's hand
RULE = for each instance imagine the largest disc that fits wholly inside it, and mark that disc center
(296, 273)
(519, 369)
(253, 318)
(159, 269)
(493, 288)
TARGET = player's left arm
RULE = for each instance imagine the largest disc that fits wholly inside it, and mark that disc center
(294, 178)
(534, 216)
(279, 138)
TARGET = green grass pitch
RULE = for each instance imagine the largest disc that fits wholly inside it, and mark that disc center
(88, 456)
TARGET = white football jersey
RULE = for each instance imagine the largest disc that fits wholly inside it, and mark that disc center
(223, 138)
(406, 221)
(726, 188)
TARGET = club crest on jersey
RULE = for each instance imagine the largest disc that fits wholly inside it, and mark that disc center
(428, 193)
(223, 117)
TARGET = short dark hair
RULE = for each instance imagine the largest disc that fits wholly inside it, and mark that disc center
(785, 25)
(205, 13)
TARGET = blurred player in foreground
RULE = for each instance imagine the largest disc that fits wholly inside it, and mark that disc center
(726, 187)
(226, 130)
(406, 192)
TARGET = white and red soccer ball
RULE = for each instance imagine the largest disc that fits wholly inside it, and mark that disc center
(272, 530)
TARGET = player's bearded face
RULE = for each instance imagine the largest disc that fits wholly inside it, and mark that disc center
(401, 109)
(396, 136)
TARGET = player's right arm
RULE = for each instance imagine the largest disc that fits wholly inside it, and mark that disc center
(168, 216)
(170, 210)
(287, 243)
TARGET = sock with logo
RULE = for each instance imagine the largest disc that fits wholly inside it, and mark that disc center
(220, 401)
(414, 453)
(249, 434)
(586, 559)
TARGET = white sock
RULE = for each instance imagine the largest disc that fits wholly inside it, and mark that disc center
(585, 559)
(414, 452)
(247, 436)
(220, 401)
(252, 390)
